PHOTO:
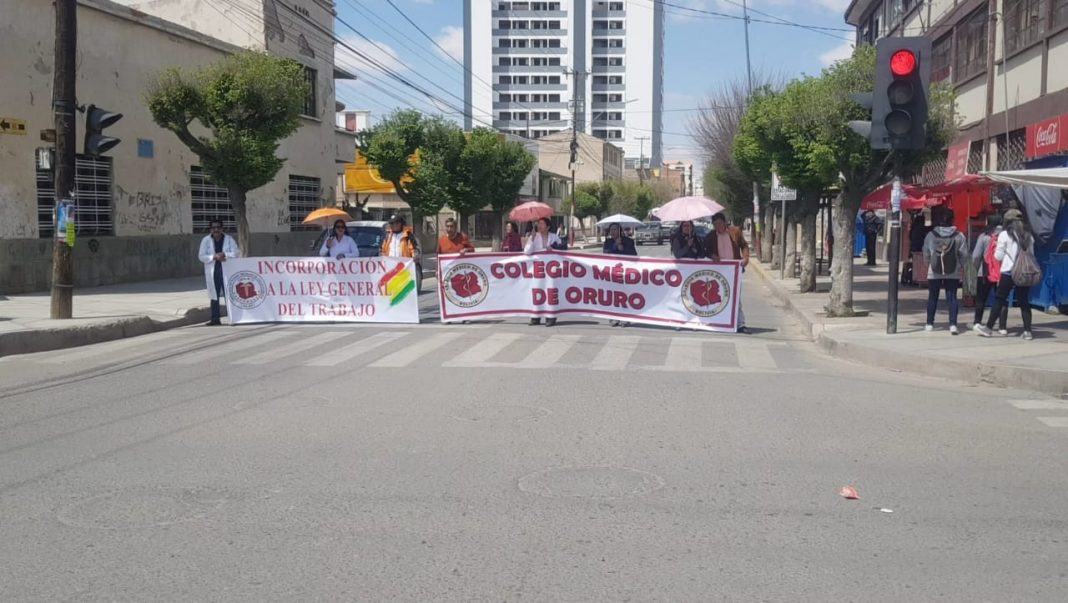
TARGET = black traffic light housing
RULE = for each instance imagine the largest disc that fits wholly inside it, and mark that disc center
(899, 101)
(96, 119)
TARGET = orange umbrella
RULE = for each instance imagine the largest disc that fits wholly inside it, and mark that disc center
(325, 216)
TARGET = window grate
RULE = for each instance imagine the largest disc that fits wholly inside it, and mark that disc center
(209, 202)
(1014, 155)
(304, 193)
(92, 184)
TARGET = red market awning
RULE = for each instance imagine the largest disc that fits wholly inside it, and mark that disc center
(880, 197)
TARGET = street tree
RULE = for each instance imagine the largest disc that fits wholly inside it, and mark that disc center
(248, 103)
(418, 155)
(491, 172)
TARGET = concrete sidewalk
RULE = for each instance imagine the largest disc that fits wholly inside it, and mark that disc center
(1041, 364)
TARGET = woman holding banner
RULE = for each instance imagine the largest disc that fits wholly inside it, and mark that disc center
(541, 239)
(618, 244)
(339, 245)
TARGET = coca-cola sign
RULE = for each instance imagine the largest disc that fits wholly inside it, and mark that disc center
(1047, 137)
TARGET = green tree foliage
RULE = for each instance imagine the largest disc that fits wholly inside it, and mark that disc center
(490, 172)
(248, 102)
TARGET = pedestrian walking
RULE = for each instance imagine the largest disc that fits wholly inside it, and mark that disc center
(511, 243)
(988, 271)
(618, 244)
(728, 243)
(338, 244)
(454, 241)
(945, 251)
(542, 239)
(215, 249)
(685, 244)
(1012, 244)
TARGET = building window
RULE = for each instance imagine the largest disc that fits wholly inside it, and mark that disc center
(505, 116)
(1025, 22)
(92, 192)
(304, 193)
(615, 62)
(615, 43)
(971, 46)
(311, 101)
(942, 59)
(615, 79)
(209, 202)
(1060, 12)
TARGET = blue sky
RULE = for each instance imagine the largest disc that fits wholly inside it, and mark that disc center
(701, 53)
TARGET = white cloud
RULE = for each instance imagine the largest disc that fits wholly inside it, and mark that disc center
(451, 39)
(382, 54)
(842, 51)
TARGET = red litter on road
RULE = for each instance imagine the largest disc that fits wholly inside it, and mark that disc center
(849, 492)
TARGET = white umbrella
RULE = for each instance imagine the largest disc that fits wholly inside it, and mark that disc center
(621, 219)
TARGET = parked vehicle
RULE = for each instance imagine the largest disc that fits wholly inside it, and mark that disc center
(649, 232)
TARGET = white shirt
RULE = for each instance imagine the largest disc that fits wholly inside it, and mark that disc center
(394, 244)
(346, 247)
(1006, 251)
(536, 243)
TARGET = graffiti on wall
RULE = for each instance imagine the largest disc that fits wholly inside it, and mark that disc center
(147, 212)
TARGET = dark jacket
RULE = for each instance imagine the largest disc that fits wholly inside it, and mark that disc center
(679, 248)
(739, 247)
(626, 247)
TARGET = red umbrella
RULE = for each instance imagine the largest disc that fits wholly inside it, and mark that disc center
(530, 211)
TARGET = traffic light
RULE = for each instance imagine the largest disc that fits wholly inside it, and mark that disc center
(899, 101)
(96, 119)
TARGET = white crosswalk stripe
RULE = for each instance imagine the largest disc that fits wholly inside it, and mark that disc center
(755, 355)
(282, 351)
(480, 354)
(1044, 405)
(685, 354)
(549, 353)
(615, 354)
(414, 351)
(359, 348)
(1054, 421)
(213, 351)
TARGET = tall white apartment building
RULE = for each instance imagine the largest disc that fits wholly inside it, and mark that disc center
(533, 67)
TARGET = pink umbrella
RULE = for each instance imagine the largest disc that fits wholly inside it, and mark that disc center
(687, 208)
(530, 211)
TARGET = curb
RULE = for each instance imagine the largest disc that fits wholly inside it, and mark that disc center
(47, 340)
(974, 373)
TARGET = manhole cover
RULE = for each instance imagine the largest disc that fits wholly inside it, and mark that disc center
(140, 508)
(590, 482)
(505, 413)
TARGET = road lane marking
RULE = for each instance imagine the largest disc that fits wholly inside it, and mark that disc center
(280, 352)
(684, 354)
(754, 355)
(548, 353)
(336, 357)
(479, 354)
(616, 353)
(1039, 404)
(415, 351)
(1054, 421)
(214, 350)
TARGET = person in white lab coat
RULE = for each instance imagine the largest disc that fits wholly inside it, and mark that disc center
(338, 244)
(215, 249)
(541, 239)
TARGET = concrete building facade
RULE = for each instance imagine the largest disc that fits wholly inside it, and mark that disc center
(534, 68)
(143, 208)
(1015, 108)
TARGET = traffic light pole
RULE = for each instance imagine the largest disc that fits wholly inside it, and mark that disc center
(894, 255)
(64, 107)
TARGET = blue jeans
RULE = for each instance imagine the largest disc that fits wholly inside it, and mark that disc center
(933, 287)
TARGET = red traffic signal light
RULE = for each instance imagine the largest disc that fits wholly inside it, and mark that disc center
(903, 63)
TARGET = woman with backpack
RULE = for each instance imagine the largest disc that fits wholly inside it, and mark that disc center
(988, 271)
(945, 251)
(1019, 271)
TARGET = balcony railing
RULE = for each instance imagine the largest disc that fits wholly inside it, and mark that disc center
(530, 51)
(530, 87)
(527, 69)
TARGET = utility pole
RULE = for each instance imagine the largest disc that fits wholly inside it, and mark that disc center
(641, 158)
(894, 252)
(577, 107)
(991, 51)
(64, 107)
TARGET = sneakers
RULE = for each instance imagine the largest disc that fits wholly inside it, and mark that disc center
(953, 330)
(983, 331)
(1003, 332)
(928, 327)
(1027, 336)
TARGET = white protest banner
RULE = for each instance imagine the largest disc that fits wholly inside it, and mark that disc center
(279, 289)
(696, 294)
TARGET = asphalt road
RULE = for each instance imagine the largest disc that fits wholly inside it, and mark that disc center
(506, 462)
